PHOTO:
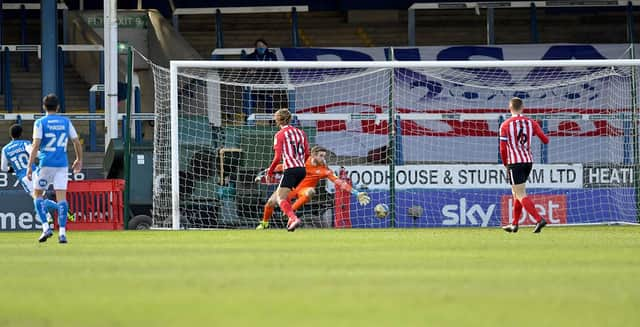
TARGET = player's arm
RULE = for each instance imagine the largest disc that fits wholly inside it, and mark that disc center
(77, 147)
(277, 147)
(4, 162)
(262, 175)
(538, 131)
(35, 146)
(504, 138)
(340, 183)
(33, 154)
(307, 149)
(363, 197)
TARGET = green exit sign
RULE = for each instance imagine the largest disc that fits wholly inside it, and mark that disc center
(124, 21)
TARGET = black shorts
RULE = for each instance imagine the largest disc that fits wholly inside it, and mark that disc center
(519, 173)
(292, 177)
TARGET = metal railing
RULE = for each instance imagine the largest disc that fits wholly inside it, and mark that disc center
(490, 7)
(23, 8)
(98, 89)
(6, 50)
(218, 12)
(92, 118)
(96, 92)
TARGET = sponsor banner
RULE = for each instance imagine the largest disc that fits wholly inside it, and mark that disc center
(8, 181)
(552, 208)
(460, 52)
(460, 177)
(16, 212)
(608, 176)
(458, 208)
(465, 91)
(457, 90)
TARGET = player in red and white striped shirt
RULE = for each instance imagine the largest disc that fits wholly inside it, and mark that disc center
(515, 152)
(291, 146)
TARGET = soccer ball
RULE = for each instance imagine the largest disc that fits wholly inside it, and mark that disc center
(381, 210)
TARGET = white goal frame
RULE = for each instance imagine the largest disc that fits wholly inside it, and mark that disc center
(175, 65)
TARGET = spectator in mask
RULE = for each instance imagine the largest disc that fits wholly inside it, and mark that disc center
(264, 101)
(261, 52)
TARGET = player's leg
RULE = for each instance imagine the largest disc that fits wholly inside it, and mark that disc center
(513, 226)
(304, 196)
(517, 213)
(52, 206)
(527, 204)
(282, 194)
(268, 211)
(521, 173)
(60, 180)
(517, 210)
(27, 185)
(39, 183)
(291, 178)
(38, 203)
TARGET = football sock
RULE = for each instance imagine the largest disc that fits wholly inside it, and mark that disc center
(268, 211)
(63, 208)
(531, 208)
(517, 211)
(286, 208)
(302, 199)
(50, 205)
(38, 204)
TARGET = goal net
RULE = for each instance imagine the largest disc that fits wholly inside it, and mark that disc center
(419, 137)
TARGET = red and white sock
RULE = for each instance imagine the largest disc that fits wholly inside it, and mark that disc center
(286, 208)
(517, 211)
(531, 208)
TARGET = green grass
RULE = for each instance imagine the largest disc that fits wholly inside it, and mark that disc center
(427, 277)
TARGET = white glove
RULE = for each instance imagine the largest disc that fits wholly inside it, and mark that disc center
(260, 176)
(363, 198)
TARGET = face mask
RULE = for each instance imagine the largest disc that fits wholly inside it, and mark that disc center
(261, 51)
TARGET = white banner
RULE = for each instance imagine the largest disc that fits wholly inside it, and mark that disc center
(460, 177)
(468, 91)
(462, 52)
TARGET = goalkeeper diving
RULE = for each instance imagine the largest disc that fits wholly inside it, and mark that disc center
(316, 169)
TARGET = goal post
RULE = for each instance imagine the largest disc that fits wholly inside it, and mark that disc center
(443, 158)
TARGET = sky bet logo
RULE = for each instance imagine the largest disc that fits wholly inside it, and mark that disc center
(553, 208)
(464, 213)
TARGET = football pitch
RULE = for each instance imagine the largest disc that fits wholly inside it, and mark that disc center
(565, 276)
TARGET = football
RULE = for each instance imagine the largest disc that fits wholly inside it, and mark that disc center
(381, 210)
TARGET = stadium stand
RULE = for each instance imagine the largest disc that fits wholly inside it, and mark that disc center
(26, 84)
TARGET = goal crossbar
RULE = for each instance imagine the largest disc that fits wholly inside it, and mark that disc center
(176, 64)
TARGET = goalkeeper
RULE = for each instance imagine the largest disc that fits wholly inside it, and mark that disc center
(316, 168)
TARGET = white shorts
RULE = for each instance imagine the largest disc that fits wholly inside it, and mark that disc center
(58, 176)
(27, 184)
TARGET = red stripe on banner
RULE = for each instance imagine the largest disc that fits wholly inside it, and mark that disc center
(457, 127)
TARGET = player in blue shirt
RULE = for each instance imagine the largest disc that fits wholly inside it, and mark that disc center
(50, 136)
(15, 155)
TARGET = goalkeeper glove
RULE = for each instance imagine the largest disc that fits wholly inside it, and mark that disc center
(363, 198)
